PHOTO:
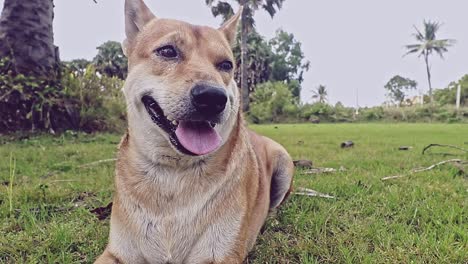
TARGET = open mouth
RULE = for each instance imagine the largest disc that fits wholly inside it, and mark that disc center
(193, 138)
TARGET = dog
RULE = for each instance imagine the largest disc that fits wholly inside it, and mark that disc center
(193, 183)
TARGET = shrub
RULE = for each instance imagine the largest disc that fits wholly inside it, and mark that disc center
(372, 114)
(31, 103)
(272, 102)
(100, 100)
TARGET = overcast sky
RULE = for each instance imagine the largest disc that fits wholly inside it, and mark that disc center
(352, 45)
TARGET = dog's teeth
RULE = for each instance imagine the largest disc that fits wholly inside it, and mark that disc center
(175, 123)
(169, 118)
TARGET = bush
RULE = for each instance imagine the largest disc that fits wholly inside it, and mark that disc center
(81, 100)
(372, 114)
(272, 102)
(101, 102)
(31, 103)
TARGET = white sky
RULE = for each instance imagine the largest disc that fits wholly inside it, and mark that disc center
(352, 45)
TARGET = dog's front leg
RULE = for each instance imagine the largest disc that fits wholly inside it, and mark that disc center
(107, 258)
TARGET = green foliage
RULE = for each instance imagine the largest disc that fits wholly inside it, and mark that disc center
(78, 65)
(29, 102)
(225, 10)
(110, 60)
(288, 62)
(86, 97)
(372, 114)
(271, 102)
(397, 86)
(447, 96)
(102, 106)
(280, 59)
(425, 113)
(320, 94)
(427, 44)
(258, 60)
(323, 112)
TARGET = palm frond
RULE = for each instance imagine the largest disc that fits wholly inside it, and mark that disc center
(418, 35)
(428, 41)
(223, 9)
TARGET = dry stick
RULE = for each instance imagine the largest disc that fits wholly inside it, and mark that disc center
(324, 170)
(422, 169)
(96, 163)
(443, 145)
(59, 181)
(312, 193)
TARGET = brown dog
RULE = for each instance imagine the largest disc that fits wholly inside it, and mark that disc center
(193, 184)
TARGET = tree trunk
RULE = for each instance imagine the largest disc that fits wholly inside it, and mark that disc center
(32, 101)
(426, 59)
(26, 37)
(244, 85)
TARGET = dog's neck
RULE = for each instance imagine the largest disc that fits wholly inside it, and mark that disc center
(175, 174)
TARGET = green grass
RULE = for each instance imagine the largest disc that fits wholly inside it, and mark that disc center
(419, 219)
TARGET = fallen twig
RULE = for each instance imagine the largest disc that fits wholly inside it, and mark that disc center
(443, 145)
(458, 161)
(59, 181)
(97, 163)
(312, 193)
(324, 170)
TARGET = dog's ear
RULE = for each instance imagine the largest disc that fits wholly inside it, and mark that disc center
(137, 15)
(229, 28)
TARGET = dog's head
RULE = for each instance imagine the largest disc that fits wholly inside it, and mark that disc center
(180, 91)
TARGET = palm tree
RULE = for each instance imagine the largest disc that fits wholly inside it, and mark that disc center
(428, 44)
(111, 60)
(321, 94)
(28, 52)
(224, 9)
(26, 37)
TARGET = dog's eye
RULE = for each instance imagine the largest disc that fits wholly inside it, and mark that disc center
(225, 65)
(168, 52)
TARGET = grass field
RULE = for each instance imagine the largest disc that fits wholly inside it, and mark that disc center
(45, 197)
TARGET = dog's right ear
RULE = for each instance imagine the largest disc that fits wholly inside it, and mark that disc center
(137, 15)
(229, 28)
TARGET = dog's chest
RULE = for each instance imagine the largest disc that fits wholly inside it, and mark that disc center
(180, 240)
(193, 228)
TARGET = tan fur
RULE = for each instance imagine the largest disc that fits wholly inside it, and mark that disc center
(174, 208)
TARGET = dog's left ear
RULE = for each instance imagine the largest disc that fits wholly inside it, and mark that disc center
(137, 15)
(229, 28)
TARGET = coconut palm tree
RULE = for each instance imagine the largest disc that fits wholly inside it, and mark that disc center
(427, 45)
(26, 37)
(111, 60)
(320, 93)
(224, 9)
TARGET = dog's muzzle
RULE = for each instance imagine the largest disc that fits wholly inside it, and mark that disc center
(209, 101)
(194, 134)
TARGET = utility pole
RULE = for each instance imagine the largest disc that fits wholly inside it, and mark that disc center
(458, 96)
(357, 102)
(421, 97)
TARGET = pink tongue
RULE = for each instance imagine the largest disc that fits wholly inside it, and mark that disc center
(198, 137)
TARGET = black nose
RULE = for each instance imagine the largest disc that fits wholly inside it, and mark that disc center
(208, 100)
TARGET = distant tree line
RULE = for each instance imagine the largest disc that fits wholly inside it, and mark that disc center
(39, 92)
